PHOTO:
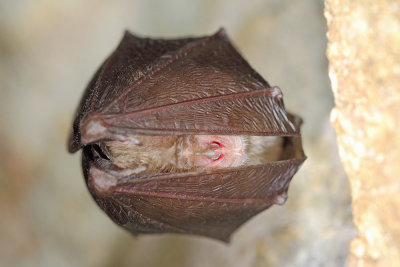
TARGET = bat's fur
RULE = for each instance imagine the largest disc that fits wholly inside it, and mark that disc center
(149, 152)
(164, 153)
(262, 149)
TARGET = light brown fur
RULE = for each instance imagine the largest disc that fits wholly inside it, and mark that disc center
(167, 154)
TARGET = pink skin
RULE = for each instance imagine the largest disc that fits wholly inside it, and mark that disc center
(213, 151)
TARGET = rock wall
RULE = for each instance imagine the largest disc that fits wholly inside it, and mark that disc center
(364, 68)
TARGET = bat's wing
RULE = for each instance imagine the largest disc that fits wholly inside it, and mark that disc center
(184, 86)
(211, 204)
(126, 66)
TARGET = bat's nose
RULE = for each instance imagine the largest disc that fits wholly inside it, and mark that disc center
(214, 151)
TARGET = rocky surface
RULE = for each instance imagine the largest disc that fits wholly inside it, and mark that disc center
(364, 68)
(48, 52)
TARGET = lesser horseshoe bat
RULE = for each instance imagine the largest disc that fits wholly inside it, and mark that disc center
(183, 136)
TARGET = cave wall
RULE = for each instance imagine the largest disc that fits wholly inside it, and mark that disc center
(364, 69)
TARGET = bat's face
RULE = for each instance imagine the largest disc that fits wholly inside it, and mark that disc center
(153, 154)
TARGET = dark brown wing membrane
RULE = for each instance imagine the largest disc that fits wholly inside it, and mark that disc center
(126, 66)
(200, 69)
(213, 204)
(145, 74)
(250, 113)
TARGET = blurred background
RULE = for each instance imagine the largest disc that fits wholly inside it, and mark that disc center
(48, 52)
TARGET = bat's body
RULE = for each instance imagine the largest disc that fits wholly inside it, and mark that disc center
(183, 136)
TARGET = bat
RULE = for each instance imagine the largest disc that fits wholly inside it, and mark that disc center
(183, 136)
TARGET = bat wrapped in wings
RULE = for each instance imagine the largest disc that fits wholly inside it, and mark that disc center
(183, 136)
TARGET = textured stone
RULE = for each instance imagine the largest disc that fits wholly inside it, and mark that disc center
(364, 68)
